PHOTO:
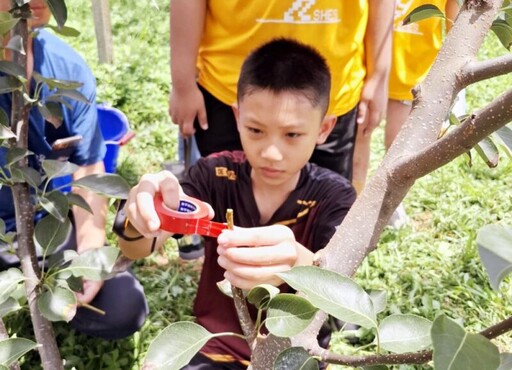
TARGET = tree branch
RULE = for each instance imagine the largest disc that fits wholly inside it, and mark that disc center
(404, 358)
(244, 317)
(24, 211)
(478, 71)
(460, 140)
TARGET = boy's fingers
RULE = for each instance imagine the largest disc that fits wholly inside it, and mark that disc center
(280, 254)
(256, 236)
(187, 128)
(141, 209)
(362, 111)
(201, 117)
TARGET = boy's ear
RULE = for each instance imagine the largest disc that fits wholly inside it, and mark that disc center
(236, 112)
(326, 128)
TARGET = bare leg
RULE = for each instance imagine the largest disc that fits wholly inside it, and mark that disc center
(361, 160)
(398, 111)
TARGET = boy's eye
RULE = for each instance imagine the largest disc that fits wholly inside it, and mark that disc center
(293, 135)
(253, 130)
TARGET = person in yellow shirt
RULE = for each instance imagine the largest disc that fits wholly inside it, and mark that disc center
(415, 47)
(211, 38)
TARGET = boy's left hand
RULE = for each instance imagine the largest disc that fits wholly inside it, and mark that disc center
(264, 251)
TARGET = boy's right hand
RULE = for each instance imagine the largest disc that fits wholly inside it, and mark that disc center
(140, 208)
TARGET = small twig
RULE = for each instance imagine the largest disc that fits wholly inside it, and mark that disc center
(242, 310)
(92, 308)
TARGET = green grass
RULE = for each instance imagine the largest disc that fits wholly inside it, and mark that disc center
(428, 267)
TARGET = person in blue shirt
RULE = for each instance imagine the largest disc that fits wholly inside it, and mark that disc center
(122, 297)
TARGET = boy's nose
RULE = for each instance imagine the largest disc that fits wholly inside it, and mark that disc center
(272, 153)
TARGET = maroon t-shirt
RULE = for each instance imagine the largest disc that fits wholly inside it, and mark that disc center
(313, 210)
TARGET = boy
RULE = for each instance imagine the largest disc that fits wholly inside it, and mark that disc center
(285, 208)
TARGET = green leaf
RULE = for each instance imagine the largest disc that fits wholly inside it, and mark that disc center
(74, 283)
(94, 264)
(9, 306)
(54, 83)
(16, 174)
(9, 280)
(79, 201)
(295, 358)
(50, 233)
(56, 204)
(423, 12)
(333, 293)
(505, 134)
(60, 100)
(9, 84)
(495, 248)
(13, 348)
(60, 259)
(2, 227)
(58, 304)
(16, 44)
(289, 315)
(503, 31)
(505, 361)
(225, 288)
(59, 11)
(405, 333)
(261, 295)
(51, 112)
(11, 68)
(7, 22)
(31, 176)
(8, 237)
(454, 349)
(379, 299)
(54, 168)
(15, 154)
(5, 130)
(175, 346)
(488, 151)
(109, 184)
(72, 94)
(65, 31)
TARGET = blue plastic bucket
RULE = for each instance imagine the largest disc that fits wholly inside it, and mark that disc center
(114, 126)
(115, 130)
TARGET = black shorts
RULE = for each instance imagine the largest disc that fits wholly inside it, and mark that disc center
(335, 154)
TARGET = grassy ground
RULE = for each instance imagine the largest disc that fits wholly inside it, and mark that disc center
(429, 266)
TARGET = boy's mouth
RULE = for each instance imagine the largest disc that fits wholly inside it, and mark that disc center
(270, 172)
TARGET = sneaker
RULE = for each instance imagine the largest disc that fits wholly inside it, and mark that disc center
(191, 247)
(399, 218)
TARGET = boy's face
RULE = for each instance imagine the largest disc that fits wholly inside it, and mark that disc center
(279, 133)
(40, 12)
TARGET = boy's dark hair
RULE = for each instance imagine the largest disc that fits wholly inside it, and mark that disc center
(286, 65)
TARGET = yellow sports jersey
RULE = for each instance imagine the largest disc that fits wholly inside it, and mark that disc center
(415, 47)
(335, 27)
